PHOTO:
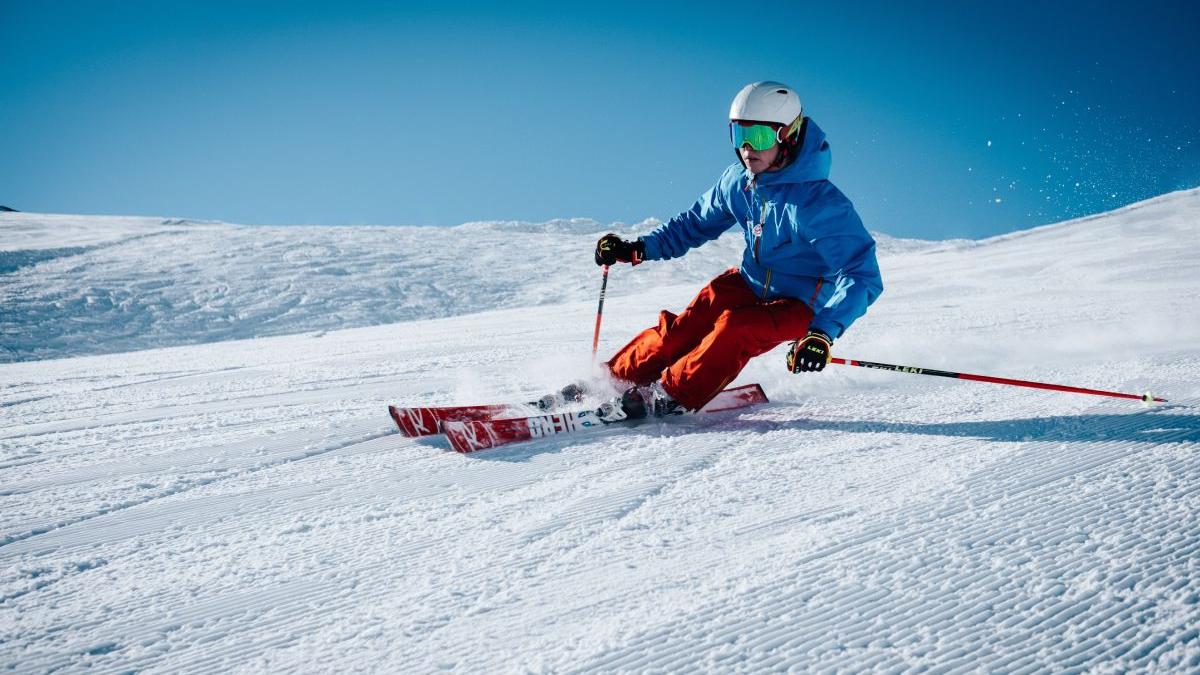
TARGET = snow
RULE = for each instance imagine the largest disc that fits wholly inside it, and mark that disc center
(240, 500)
(112, 285)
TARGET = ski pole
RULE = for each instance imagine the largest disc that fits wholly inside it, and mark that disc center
(1145, 398)
(599, 313)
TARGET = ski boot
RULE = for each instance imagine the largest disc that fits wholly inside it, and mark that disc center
(639, 403)
(572, 393)
(662, 404)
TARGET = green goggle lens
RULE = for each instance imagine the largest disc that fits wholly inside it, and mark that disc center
(758, 136)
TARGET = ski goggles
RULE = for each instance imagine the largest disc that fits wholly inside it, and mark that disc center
(758, 136)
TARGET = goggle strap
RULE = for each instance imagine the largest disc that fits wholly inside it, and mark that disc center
(793, 128)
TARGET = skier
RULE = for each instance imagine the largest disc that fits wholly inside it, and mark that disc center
(808, 271)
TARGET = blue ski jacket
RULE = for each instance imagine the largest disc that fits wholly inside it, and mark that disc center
(804, 239)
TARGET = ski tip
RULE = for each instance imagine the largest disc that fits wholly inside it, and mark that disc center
(1149, 400)
(415, 422)
(395, 415)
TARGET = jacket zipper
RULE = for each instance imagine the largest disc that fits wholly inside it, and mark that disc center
(762, 223)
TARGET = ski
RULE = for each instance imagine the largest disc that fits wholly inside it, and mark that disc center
(480, 434)
(426, 421)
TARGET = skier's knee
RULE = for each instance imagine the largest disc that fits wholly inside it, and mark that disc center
(730, 321)
(665, 321)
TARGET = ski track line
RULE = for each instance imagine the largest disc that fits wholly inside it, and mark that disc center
(199, 439)
(196, 459)
(23, 460)
(200, 482)
(686, 653)
(289, 394)
(192, 441)
(499, 480)
(826, 514)
(170, 413)
(65, 539)
(21, 401)
(158, 378)
(614, 506)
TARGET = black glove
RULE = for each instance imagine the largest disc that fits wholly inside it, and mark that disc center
(612, 249)
(810, 354)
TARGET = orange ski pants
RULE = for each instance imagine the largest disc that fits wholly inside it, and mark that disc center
(698, 353)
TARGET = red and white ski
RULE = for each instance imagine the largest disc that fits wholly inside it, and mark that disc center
(427, 421)
(480, 434)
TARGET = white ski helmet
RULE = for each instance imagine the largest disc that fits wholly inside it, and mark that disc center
(768, 101)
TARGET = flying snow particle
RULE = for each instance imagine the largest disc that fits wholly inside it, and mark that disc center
(997, 200)
(989, 144)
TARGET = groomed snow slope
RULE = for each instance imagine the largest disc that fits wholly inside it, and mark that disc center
(246, 506)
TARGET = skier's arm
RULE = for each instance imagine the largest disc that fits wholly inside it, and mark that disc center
(847, 248)
(705, 221)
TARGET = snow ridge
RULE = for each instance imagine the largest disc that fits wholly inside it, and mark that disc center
(142, 283)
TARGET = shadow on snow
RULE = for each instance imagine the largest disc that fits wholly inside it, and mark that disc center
(1160, 425)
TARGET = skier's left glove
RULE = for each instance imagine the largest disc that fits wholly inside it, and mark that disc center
(810, 354)
(612, 249)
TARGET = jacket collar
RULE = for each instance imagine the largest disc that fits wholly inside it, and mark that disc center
(812, 164)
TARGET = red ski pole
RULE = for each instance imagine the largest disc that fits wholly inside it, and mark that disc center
(599, 313)
(1147, 398)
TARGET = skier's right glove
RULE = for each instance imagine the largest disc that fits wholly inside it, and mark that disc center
(613, 249)
(810, 354)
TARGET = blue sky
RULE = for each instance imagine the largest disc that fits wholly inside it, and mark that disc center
(946, 119)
